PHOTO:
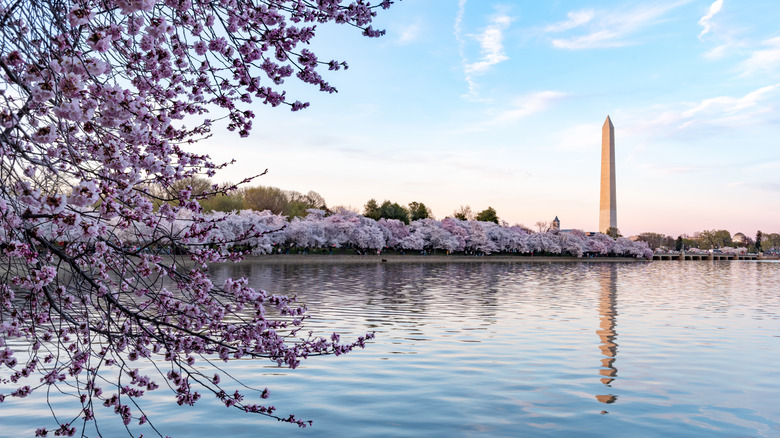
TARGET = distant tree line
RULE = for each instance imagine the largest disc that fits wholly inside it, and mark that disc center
(393, 210)
(712, 239)
(259, 198)
(417, 210)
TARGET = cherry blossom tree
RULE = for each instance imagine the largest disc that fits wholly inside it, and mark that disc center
(478, 238)
(100, 99)
(571, 243)
(394, 231)
(339, 227)
(414, 242)
(601, 244)
(269, 230)
(544, 242)
(255, 231)
(500, 236)
(457, 230)
(434, 235)
(367, 235)
(304, 233)
(625, 247)
(519, 239)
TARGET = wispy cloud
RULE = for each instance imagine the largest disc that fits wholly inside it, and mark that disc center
(529, 104)
(458, 31)
(459, 19)
(715, 7)
(767, 59)
(491, 44)
(730, 105)
(409, 33)
(576, 19)
(693, 119)
(718, 52)
(609, 29)
(593, 40)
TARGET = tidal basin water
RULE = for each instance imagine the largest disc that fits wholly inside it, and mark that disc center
(508, 349)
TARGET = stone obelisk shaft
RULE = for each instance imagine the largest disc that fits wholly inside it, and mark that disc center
(608, 204)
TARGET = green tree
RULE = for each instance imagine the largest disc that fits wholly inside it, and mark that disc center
(613, 232)
(198, 186)
(770, 241)
(262, 198)
(418, 210)
(709, 239)
(287, 202)
(487, 215)
(371, 210)
(679, 245)
(392, 210)
(224, 202)
(297, 209)
(759, 235)
(388, 210)
(658, 240)
(654, 240)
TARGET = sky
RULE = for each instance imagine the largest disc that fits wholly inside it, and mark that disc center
(501, 103)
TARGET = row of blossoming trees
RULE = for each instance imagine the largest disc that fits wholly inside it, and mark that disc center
(264, 232)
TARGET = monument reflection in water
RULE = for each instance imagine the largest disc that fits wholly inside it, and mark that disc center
(606, 331)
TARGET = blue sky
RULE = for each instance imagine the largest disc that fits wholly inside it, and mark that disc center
(501, 103)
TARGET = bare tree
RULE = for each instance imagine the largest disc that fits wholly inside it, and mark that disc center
(543, 226)
(463, 213)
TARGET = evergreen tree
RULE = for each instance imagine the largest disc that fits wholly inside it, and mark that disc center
(371, 210)
(392, 210)
(418, 210)
(487, 215)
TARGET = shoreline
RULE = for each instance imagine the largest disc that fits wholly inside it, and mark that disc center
(280, 259)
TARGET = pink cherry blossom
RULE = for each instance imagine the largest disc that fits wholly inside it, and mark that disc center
(102, 256)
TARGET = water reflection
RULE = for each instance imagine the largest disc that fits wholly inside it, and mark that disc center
(501, 350)
(345, 296)
(606, 332)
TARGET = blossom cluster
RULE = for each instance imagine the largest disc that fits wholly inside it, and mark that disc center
(99, 100)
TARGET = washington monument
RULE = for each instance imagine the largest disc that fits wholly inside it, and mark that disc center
(608, 204)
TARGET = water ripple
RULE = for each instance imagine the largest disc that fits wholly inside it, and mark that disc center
(512, 349)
